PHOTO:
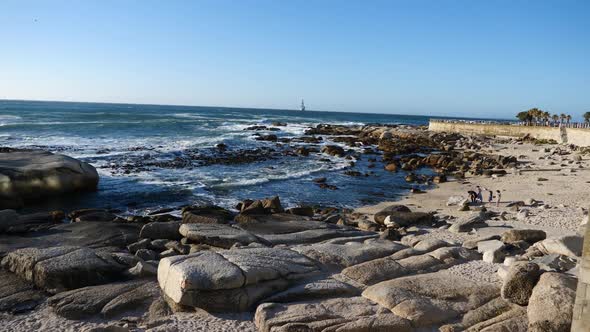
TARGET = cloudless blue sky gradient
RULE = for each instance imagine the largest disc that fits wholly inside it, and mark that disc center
(456, 58)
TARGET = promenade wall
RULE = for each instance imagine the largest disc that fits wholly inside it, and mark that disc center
(577, 136)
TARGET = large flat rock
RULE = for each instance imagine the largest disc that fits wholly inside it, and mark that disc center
(349, 253)
(431, 299)
(17, 295)
(231, 280)
(289, 229)
(551, 303)
(105, 301)
(32, 174)
(217, 235)
(390, 267)
(80, 234)
(346, 314)
(57, 269)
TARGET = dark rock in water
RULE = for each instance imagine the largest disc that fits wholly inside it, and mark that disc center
(221, 147)
(333, 150)
(327, 186)
(381, 215)
(411, 177)
(17, 295)
(417, 191)
(262, 128)
(106, 301)
(392, 167)
(279, 124)
(353, 173)
(265, 206)
(302, 211)
(61, 268)
(161, 230)
(320, 180)
(270, 137)
(210, 214)
(39, 174)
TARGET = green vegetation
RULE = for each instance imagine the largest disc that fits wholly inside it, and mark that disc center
(538, 117)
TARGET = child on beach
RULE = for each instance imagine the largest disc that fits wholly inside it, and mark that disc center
(491, 196)
(498, 197)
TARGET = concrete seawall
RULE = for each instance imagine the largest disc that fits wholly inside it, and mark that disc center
(575, 136)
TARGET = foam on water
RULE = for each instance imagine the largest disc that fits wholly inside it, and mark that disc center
(114, 134)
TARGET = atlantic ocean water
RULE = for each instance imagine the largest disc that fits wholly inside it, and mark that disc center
(145, 154)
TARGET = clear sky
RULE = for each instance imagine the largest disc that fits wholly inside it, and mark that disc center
(458, 58)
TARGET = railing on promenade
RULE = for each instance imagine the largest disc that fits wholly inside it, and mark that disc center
(580, 125)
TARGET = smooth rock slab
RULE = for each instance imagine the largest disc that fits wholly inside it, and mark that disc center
(351, 314)
(551, 303)
(231, 280)
(570, 245)
(161, 230)
(349, 253)
(519, 282)
(316, 289)
(468, 223)
(79, 234)
(217, 235)
(32, 174)
(105, 300)
(386, 268)
(431, 299)
(17, 295)
(62, 268)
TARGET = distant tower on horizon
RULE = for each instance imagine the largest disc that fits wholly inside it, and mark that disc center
(302, 105)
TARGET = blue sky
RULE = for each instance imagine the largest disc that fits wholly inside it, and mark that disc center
(458, 58)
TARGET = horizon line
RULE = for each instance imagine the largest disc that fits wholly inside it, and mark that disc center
(240, 107)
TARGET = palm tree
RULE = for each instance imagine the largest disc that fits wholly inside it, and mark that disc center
(526, 117)
(534, 114)
(562, 117)
(587, 117)
(568, 118)
(555, 118)
(546, 118)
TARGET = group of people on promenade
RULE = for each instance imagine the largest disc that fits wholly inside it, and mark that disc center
(476, 195)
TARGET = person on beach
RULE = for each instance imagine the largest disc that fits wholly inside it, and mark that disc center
(491, 196)
(472, 196)
(498, 197)
(479, 195)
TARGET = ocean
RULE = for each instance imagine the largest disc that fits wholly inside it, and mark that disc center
(148, 156)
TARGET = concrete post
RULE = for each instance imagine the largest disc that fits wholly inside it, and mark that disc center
(581, 316)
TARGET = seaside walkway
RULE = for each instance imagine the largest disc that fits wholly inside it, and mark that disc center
(572, 133)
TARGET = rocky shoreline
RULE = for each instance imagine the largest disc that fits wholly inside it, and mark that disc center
(432, 261)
